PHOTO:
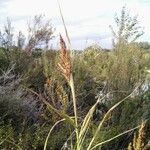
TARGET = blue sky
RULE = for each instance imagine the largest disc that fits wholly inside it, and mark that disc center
(87, 20)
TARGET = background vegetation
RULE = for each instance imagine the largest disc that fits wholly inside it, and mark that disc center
(29, 73)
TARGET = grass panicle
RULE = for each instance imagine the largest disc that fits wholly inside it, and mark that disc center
(64, 65)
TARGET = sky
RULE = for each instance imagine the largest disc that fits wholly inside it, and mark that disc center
(87, 20)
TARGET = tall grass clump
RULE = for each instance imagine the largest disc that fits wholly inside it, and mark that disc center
(82, 127)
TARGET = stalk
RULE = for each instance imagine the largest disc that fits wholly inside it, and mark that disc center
(75, 109)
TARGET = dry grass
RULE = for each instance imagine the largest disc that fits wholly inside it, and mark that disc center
(64, 65)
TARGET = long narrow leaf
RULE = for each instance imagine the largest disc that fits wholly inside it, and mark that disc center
(111, 139)
(46, 141)
(106, 115)
(51, 108)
